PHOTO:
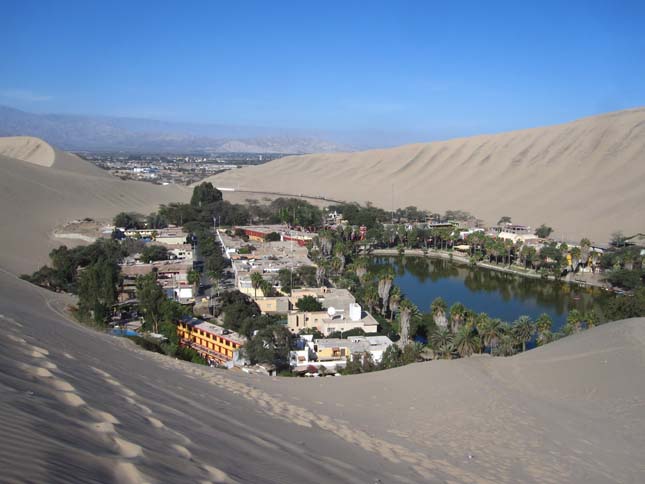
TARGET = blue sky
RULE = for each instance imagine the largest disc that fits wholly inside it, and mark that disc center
(437, 69)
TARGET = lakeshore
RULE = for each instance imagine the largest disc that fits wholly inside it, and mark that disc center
(582, 279)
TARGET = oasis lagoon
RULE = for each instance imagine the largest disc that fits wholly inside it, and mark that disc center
(499, 294)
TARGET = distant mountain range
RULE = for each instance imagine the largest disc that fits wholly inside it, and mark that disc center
(103, 133)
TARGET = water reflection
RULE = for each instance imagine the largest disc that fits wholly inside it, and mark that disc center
(499, 294)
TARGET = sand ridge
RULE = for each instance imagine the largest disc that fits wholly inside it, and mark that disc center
(583, 178)
(28, 149)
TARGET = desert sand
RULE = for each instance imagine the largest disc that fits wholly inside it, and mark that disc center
(583, 178)
(38, 193)
(81, 406)
(27, 148)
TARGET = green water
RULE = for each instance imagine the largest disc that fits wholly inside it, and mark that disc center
(501, 295)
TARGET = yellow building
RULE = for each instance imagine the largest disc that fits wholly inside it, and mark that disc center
(214, 343)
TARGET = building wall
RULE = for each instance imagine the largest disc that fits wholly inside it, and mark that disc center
(206, 344)
(273, 304)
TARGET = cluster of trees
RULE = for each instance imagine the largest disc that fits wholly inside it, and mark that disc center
(268, 339)
(133, 220)
(207, 207)
(91, 272)
(160, 315)
(151, 253)
(393, 357)
(304, 276)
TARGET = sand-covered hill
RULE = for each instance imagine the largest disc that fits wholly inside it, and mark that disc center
(81, 406)
(29, 149)
(584, 178)
(41, 187)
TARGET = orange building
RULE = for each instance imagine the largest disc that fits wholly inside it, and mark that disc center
(214, 343)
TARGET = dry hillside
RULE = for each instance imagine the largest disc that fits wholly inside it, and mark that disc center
(41, 187)
(584, 178)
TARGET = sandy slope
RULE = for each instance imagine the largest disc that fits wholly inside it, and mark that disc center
(27, 148)
(582, 178)
(80, 406)
(35, 198)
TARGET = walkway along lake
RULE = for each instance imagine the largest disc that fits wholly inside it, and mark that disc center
(500, 295)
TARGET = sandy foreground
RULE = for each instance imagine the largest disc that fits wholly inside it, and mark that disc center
(81, 406)
(583, 178)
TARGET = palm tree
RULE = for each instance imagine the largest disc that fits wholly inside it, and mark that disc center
(386, 277)
(441, 341)
(585, 248)
(491, 331)
(193, 279)
(320, 274)
(457, 313)
(371, 297)
(467, 341)
(523, 330)
(544, 326)
(591, 318)
(256, 282)
(395, 300)
(506, 346)
(574, 322)
(438, 310)
(576, 256)
(360, 267)
(407, 309)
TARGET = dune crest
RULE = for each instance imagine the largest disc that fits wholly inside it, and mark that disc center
(29, 149)
(583, 178)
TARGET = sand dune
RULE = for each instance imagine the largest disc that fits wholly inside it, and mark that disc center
(36, 197)
(79, 406)
(26, 148)
(584, 178)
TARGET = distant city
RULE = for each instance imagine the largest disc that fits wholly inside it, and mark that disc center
(179, 169)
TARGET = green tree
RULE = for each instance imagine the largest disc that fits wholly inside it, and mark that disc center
(544, 326)
(385, 280)
(491, 330)
(574, 322)
(407, 309)
(128, 220)
(309, 304)
(256, 282)
(523, 330)
(457, 314)
(438, 309)
(151, 298)
(442, 342)
(193, 279)
(394, 301)
(152, 253)
(467, 341)
(504, 220)
(270, 345)
(205, 194)
(97, 290)
(543, 231)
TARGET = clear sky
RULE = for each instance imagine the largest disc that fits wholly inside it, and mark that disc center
(420, 66)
